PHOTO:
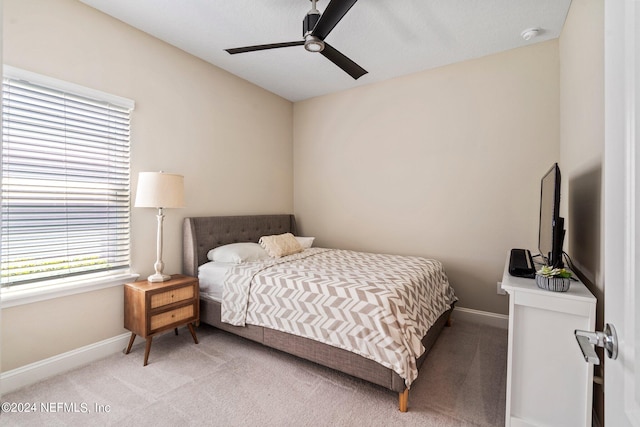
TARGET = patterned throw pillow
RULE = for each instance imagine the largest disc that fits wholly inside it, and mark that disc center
(280, 245)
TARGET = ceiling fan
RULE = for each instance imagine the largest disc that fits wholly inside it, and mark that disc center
(315, 28)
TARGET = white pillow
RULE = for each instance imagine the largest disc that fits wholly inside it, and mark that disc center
(305, 242)
(238, 253)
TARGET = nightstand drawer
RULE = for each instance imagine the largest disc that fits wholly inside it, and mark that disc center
(167, 318)
(169, 297)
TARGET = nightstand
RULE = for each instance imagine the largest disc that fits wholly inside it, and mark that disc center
(152, 308)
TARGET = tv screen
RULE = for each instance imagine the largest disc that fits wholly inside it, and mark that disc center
(551, 229)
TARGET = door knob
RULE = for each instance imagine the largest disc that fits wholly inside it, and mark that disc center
(608, 339)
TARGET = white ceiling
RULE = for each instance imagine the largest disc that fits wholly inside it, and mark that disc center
(388, 38)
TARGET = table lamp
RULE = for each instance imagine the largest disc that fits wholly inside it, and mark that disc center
(159, 190)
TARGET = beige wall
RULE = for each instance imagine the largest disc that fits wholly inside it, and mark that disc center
(444, 163)
(581, 148)
(190, 118)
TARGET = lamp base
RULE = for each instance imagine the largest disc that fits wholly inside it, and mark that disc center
(158, 277)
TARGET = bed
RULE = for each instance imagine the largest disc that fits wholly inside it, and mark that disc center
(202, 234)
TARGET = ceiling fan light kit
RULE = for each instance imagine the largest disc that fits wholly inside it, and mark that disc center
(315, 29)
(313, 44)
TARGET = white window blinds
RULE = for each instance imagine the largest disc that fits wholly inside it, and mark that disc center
(65, 184)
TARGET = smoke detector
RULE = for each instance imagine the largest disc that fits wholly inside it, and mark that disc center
(530, 33)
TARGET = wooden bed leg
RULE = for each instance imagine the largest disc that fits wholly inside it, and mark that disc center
(449, 322)
(403, 400)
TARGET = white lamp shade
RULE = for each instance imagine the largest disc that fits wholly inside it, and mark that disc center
(160, 190)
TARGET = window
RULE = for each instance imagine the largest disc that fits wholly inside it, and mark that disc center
(65, 180)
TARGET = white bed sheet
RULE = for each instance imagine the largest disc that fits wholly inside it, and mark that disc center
(211, 277)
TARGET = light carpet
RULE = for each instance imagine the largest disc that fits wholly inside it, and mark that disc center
(229, 381)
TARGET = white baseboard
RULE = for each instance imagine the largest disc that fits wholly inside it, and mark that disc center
(29, 374)
(482, 317)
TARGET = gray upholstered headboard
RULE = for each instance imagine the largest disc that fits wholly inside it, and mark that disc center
(199, 235)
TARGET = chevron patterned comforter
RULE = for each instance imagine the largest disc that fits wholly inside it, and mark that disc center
(378, 306)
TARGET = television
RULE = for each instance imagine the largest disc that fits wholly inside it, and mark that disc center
(551, 227)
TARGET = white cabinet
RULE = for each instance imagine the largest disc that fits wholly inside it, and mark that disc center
(548, 381)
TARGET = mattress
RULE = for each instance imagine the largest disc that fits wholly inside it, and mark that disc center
(378, 306)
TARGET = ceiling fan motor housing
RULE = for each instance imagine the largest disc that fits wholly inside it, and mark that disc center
(309, 23)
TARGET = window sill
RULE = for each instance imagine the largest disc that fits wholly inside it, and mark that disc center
(61, 288)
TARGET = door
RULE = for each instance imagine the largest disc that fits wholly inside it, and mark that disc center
(622, 209)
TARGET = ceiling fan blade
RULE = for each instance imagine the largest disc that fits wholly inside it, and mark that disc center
(347, 65)
(263, 47)
(333, 13)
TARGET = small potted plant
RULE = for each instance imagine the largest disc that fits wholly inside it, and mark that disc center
(553, 279)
